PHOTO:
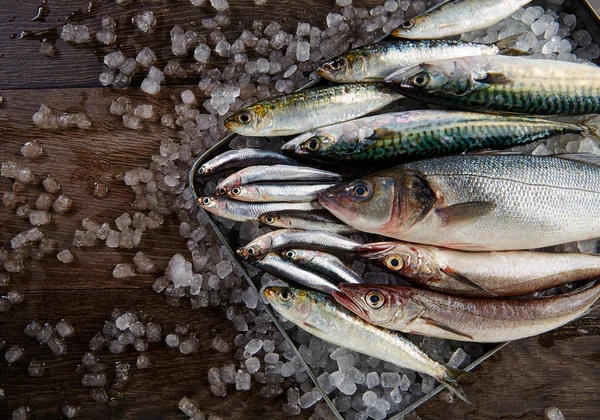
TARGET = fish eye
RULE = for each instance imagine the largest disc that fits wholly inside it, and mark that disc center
(236, 191)
(245, 117)
(201, 170)
(250, 251)
(312, 144)
(361, 191)
(394, 262)
(222, 191)
(286, 295)
(206, 200)
(269, 219)
(290, 255)
(408, 24)
(420, 79)
(336, 64)
(375, 299)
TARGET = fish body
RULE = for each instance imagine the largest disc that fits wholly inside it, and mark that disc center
(457, 17)
(283, 173)
(261, 193)
(296, 238)
(242, 158)
(321, 316)
(504, 84)
(241, 211)
(321, 262)
(307, 220)
(310, 108)
(411, 135)
(425, 312)
(481, 274)
(475, 202)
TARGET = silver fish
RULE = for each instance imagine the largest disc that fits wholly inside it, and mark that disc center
(240, 211)
(283, 173)
(264, 193)
(321, 262)
(242, 158)
(321, 316)
(307, 220)
(296, 238)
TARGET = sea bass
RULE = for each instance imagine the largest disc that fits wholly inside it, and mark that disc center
(456, 17)
(481, 274)
(321, 316)
(311, 108)
(424, 312)
(504, 84)
(476, 202)
(410, 135)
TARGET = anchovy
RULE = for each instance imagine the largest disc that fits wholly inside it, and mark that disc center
(374, 62)
(321, 262)
(240, 211)
(280, 267)
(261, 193)
(457, 17)
(321, 316)
(307, 220)
(310, 108)
(424, 312)
(283, 173)
(242, 158)
(410, 135)
(504, 84)
(296, 238)
(481, 274)
(476, 202)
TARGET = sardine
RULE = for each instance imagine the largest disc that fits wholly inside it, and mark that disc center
(280, 267)
(240, 211)
(476, 202)
(321, 316)
(264, 193)
(457, 17)
(425, 312)
(310, 108)
(307, 220)
(242, 158)
(410, 135)
(297, 238)
(374, 62)
(321, 262)
(283, 173)
(504, 84)
(481, 274)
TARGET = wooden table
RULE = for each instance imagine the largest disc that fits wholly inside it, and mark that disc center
(561, 368)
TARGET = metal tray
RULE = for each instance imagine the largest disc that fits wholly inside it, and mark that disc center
(586, 11)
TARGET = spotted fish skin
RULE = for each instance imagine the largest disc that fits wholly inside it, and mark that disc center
(410, 135)
(504, 85)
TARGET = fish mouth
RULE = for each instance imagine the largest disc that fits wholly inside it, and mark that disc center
(346, 301)
(228, 123)
(399, 78)
(332, 201)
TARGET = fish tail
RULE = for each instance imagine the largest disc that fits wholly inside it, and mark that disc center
(507, 46)
(591, 127)
(451, 378)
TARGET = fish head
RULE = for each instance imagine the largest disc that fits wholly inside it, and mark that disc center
(298, 255)
(273, 219)
(292, 303)
(214, 205)
(312, 145)
(345, 68)
(400, 257)
(416, 28)
(252, 120)
(204, 170)
(256, 249)
(247, 191)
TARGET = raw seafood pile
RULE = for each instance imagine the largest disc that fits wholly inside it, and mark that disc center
(495, 205)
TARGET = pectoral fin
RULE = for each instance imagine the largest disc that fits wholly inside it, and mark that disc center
(444, 327)
(495, 78)
(464, 212)
(464, 280)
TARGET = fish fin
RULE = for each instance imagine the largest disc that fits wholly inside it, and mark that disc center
(444, 327)
(507, 46)
(464, 280)
(495, 78)
(463, 212)
(451, 378)
(581, 157)
(589, 127)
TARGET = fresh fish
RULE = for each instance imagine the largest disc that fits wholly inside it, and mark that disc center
(476, 202)
(292, 193)
(242, 158)
(308, 220)
(283, 173)
(504, 84)
(240, 211)
(410, 135)
(481, 274)
(321, 262)
(322, 317)
(310, 108)
(280, 267)
(425, 312)
(296, 238)
(374, 62)
(457, 17)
